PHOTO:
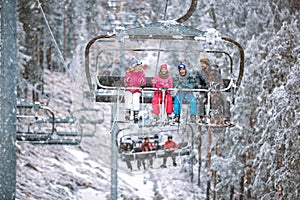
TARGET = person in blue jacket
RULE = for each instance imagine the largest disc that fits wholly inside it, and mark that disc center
(184, 80)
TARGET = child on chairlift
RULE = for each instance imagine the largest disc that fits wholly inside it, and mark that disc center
(134, 79)
(162, 81)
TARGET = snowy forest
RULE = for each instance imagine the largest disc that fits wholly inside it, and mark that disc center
(259, 158)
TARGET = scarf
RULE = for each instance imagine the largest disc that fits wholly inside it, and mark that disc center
(164, 76)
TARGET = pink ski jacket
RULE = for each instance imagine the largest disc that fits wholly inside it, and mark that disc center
(158, 82)
(135, 79)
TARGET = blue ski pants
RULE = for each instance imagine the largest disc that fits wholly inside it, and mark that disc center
(189, 97)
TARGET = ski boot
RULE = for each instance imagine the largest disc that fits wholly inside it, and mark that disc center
(202, 120)
(169, 116)
(177, 118)
(163, 166)
(168, 119)
(174, 162)
(127, 114)
(155, 119)
(193, 118)
(227, 123)
(135, 117)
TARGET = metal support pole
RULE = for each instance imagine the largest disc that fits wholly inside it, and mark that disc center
(114, 162)
(208, 162)
(8, 99)
(199, 160)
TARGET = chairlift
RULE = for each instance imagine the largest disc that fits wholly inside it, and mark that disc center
(129, 145)
(38, 124)
(86, 118)
(170, 39)
(166, 41)
(27, 114)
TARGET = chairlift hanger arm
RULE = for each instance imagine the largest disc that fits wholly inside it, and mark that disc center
(227, 54)
(189, 12)
(87, 62)
(242, 60)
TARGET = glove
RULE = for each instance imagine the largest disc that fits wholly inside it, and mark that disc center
(202, 81)
(191, 86)
(142, 86)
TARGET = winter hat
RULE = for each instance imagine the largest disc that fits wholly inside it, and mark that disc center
(205, 61)
(139, 66)
(164, 65)
(146, 138)
(137, 63)
(163, 74)
(170, 137)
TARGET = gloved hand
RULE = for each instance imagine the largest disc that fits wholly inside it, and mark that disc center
(191, 86)
(202, 81)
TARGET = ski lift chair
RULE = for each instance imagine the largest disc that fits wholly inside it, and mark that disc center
(86, 118)
(168, 38)
(37, 124)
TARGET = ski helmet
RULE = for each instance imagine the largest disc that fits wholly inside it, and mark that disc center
(170, 137)
(181, 66)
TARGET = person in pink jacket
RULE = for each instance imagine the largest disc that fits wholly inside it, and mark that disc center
(134, 79)
(163, 81)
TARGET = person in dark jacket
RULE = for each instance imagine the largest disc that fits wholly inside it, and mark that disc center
(127, 147)
(211, 75)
